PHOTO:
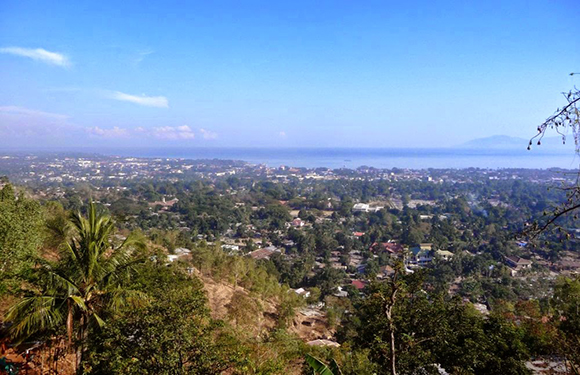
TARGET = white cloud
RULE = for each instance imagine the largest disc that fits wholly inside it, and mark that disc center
(115, 132)
(141, 56)
(21, 111)
(173, 133)
(149, 101)
(39, 54)
(207, 134)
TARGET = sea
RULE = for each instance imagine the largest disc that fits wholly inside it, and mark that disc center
(412, 158)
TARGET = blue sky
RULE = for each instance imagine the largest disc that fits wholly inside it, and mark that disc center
(269, 73)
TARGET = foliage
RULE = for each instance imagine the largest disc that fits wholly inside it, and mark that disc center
(86, 282)
(566, 303)
(172, 334)
(428, 331)
(21, 236)
(563, 120)
(319, 368)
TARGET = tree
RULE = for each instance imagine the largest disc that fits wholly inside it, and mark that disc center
(172, 334)
(21, 235)
(407, 329)
(564, 119)
(81, 286)
(566, 302)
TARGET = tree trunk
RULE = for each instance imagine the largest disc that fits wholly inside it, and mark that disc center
(393, 353)
(388, 306)
(81, 346)
(69, 323)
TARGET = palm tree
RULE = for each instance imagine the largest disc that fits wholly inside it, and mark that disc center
(86, 282)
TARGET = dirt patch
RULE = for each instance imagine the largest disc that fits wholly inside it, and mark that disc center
(241, 308)
(311, 324)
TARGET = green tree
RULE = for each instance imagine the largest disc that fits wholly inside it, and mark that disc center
(566, 303)
(172, 334)
(21, 236)
(405, 329)
(81, 286)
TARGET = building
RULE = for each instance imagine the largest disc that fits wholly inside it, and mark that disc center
(264, 253)
(359, 284)
(323, 342)
(385, 272)
(392, 248)
(420, 257)
(516, 264)
(302, 292)
(297, 222)
(446, 255)
(365, 207)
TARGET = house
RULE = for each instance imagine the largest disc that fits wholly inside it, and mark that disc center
(230, 247)
(264, 253)
(385, 271)
(358, 234)
(365, 207)
(516, 264)
(420, 257)
(446, 255)
(355, 258)
(359, 284)
(361, 207)
(340, 292)
(392, 248)
(297, 222)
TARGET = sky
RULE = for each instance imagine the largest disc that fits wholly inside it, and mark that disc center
(281, 73)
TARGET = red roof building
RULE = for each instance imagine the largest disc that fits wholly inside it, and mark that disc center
(389, 247)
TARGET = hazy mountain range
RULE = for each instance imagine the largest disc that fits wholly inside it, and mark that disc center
(504, 142)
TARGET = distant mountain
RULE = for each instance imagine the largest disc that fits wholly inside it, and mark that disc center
(504, 142)
(496, 141)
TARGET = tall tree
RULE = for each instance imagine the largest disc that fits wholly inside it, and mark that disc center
(82, 285)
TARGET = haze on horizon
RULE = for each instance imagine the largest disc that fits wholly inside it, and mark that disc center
(281, 74)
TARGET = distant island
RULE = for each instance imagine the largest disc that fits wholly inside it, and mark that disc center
(504, 142)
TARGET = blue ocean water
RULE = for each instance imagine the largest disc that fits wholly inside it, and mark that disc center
(414, 158)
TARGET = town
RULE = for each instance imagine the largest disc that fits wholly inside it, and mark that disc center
(318, 241)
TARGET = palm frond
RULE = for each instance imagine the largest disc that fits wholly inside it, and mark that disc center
(34, 315)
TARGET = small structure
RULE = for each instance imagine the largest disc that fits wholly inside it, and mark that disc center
(323, 342)
(172, 257)
(446, 255)
(264, 253)
(516, 264)
(359, 284)
(340, 292)
(420, 257)
(180, 251)
(385, 272)
(392, 248)
(231, 248)
(361, 207)
(297, 223)
(302, 292)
